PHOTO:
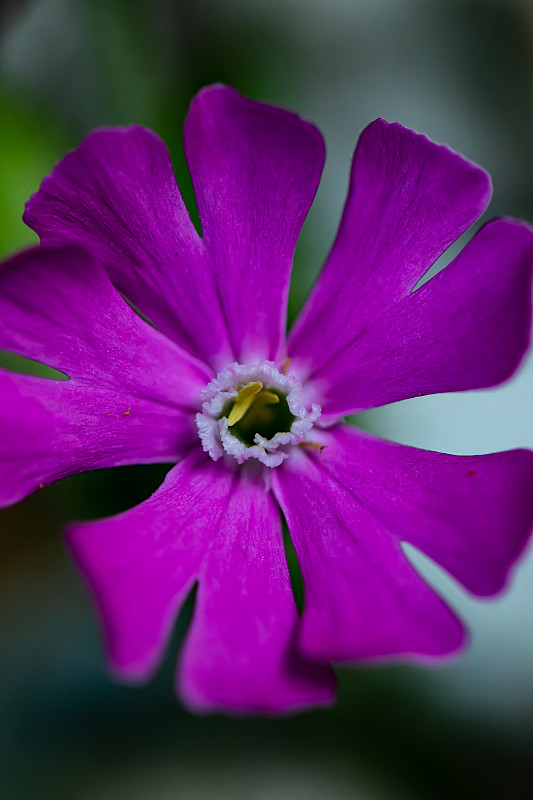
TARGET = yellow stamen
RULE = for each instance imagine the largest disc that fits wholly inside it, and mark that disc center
(312, 446)
(243, 401)
(268, 398)
(250, 395)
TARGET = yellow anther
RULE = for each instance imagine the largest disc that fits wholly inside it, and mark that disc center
(243, 401)
(250, 395)
(268, 398)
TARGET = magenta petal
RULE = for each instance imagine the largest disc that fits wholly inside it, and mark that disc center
(52, 429)
(349, 506)
(466, 328)
(409, 199)
(142, 564)
(204, 525)
(239, 655)
(117, 195)
(471, 514)
(362, 597)
(131, 394)
(255, 171)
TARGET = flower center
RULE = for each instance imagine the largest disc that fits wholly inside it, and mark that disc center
(253, 412)
(257, 410)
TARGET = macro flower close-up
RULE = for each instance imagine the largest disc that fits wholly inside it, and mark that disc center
(173, 349)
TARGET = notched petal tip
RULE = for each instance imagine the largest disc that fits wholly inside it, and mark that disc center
(516, 484)
(141, 565)
(136, 671)
(453, 645)
(515, 238)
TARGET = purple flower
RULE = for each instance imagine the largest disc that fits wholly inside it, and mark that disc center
(255, 421)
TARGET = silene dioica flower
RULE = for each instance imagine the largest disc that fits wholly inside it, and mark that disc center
(254, 420)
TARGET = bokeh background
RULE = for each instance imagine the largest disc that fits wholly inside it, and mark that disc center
(460, 71)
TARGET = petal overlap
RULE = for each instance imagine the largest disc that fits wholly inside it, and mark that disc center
(210, 525)
(131, 392)
(59, 307)
(408, 200)
(116, 195)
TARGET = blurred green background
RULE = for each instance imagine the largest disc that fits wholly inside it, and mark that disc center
(460, 71)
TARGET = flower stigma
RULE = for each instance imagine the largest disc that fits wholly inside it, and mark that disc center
(254, 412)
